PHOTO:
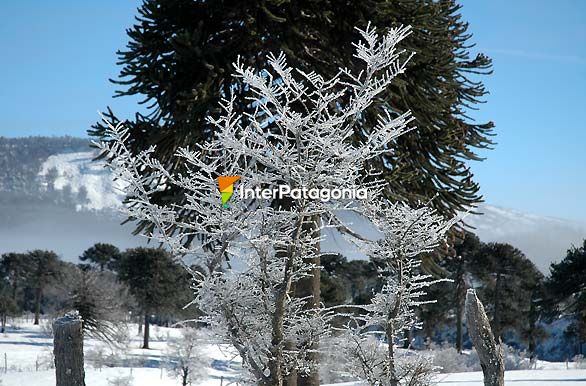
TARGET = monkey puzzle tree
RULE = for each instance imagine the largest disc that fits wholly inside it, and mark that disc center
(154, 279)
(42, 267)
(102, 255)
(12, 268)
(566, 285)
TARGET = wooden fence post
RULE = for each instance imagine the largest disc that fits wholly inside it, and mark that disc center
(489, 351)
(68, 350)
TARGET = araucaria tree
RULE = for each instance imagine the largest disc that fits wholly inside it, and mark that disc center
(256, 249)
(102, 255)
(566, 285)
(42, 268)
(153, 279)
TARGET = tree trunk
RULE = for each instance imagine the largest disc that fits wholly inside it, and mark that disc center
(38, 296)
(496, 321)
(489, 352)
(291, 379)
(145, 342)
(311, 287)
(390, 333)
(460, 298)
(184, 376)
(68, 351)
(14, 289)
(459, 328)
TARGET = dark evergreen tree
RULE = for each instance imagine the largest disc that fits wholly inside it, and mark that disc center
(347, 282)
(566, 285)
(102, 255)
(533, 331)
(42, 267)
(509, 280)
(154, 279)
(13, 268)
(7, 303)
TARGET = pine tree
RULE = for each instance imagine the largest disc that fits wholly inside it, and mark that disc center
(509, 279)
(154, 279)
(41, 269)
(102, 255)
(566, 285)
(12, 267)
(7, 303)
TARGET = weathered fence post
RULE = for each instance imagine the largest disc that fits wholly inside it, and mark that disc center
(489, 352)
(68, 350)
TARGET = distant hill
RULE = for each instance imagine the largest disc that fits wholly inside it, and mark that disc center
(21, 160)
(543, 239)
(52, 195)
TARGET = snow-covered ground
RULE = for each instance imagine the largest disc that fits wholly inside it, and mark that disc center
(28, 357)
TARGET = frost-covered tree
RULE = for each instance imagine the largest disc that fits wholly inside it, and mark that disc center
(256, 249)
(185, 359)
(406, 235)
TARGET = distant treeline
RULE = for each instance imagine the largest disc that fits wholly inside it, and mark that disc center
(544, 315)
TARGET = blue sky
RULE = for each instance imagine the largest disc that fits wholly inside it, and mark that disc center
(57, 57)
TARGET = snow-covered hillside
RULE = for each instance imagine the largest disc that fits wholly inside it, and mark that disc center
(79, 173)
(94, 199)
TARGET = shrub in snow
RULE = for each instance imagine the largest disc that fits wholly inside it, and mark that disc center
(254, 251)
(46, 327)
(121, 381)
(98, 297)
(46, 360)
(448, 360)
(580, 361)
(406, 234)
(98, 357)
(515, 359)
(120, 336)
(101, 356)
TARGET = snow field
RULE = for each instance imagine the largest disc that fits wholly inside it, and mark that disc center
(28, 347)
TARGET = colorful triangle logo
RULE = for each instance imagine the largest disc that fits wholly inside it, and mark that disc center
(226, 187)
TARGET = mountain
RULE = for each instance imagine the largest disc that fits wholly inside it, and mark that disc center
(54, 196)
(542, 239)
